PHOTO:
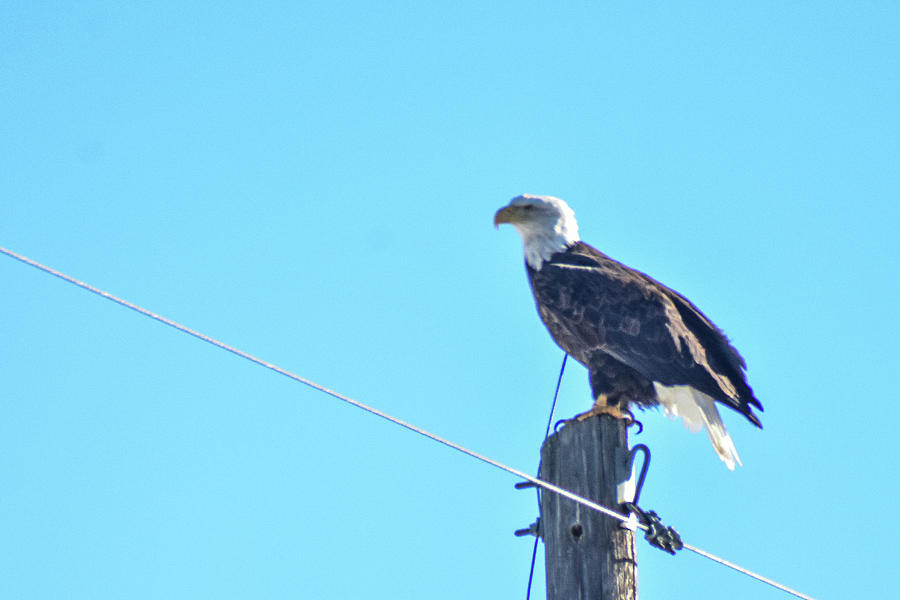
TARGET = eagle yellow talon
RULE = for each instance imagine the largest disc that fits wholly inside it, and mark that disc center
(603, 407)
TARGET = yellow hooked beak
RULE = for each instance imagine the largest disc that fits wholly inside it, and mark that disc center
(507, 214)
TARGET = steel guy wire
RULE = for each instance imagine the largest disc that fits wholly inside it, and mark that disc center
(314, 385)
(536, 481)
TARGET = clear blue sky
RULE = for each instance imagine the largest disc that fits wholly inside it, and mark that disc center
(315, 182)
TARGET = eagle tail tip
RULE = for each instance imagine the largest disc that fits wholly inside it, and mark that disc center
(698, 411)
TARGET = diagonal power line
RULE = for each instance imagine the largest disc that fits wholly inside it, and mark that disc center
(538, 482)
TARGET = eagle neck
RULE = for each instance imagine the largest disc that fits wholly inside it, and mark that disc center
(539, 248)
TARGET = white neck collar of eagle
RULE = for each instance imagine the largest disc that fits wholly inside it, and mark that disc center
(542, 243)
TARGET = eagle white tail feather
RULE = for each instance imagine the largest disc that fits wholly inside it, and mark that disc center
(698, 410)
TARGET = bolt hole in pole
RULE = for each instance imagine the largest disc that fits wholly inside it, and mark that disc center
(577, 530)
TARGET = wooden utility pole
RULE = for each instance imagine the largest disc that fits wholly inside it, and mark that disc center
(589, 556)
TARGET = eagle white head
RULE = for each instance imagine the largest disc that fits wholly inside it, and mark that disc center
(547, 225)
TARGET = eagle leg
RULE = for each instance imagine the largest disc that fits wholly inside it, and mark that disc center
(603, 406)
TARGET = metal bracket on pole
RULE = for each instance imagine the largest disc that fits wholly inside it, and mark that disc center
(630, 489)
(535, 528)
(660, 536)
(629, 492)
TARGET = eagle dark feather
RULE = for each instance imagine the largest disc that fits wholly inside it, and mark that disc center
(629, 330)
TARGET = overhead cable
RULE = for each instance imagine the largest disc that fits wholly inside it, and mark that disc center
(538, 482)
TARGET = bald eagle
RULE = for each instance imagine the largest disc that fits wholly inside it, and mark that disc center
(643, 343)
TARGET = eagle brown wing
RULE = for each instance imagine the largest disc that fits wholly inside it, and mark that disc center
(593, 304)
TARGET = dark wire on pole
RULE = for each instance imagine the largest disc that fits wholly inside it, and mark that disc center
(537, 534)
(562, 370)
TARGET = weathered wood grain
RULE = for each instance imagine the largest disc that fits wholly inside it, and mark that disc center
(588, 555)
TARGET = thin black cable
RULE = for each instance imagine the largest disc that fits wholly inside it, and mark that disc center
(531, 572)
(555, 396)
(537, 536)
